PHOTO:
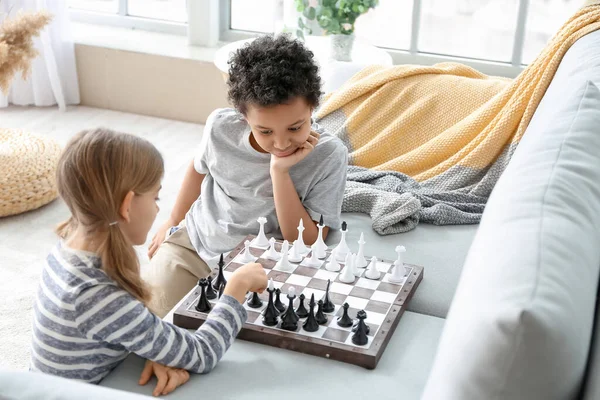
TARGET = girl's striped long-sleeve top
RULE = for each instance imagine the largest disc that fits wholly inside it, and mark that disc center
(84, 325)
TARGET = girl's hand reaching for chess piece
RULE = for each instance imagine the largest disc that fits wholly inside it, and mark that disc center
(168, 378)
(248, 278)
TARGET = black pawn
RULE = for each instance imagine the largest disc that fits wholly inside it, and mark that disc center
(345, 320)
(359, 338)
(311, 324)
(211, 294)
(270, 314)
(203, 304)
(328, 305)
(355, 327)
(278, 304)
(301, 311)
(220, 279)
(320, 317)
(289, 320)
(344, 225)
(255, 301)
(321, 220)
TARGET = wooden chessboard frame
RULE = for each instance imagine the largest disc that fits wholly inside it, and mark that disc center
(365, 357)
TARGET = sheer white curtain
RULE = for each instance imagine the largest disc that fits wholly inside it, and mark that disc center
(53, 75)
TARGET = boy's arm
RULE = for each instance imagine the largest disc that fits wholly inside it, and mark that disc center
(290, 209)
(188, 193)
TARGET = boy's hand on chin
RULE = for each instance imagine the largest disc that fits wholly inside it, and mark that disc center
(283, 164)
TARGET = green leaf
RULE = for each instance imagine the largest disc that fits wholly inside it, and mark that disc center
(300, 34)
(334, 26)
(324, 22)
(327, 12)
(299, 7)
(361, 9)
(301, 23)
(312, 13)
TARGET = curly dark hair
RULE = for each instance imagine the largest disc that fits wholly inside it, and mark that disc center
(272, 70)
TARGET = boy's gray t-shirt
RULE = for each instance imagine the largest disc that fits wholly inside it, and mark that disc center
(237, 188)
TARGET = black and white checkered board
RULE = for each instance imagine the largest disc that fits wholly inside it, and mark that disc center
(382, 300)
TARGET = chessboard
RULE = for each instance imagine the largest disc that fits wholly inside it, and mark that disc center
(382, 300)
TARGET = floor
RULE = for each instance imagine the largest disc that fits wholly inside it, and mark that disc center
(26, 239)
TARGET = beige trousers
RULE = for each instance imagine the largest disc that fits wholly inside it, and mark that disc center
(174, 271)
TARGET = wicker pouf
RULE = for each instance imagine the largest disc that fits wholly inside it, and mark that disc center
(27, 171)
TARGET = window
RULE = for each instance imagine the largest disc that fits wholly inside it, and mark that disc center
(507, 33)
(495, 36)
(169, 16)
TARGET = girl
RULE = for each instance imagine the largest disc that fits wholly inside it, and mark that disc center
(90, 309)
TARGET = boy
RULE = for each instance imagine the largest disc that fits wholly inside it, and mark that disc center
(265, 158)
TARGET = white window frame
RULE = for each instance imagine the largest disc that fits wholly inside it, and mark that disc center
(122, 20)
(209, 25)
(413, 55)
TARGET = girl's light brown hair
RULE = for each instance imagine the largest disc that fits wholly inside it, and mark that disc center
(95, 172)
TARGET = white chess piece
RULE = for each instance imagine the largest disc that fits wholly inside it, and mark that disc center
(320, 246)
(271, 286)
(261, 240)
(272, 254)
(291, 292)
(355, 270)
(333, 265)
(313, 261)
(300, 246)
(347, 275)
(247, 257)
(397, 275)
(342, 248)
(373, 271)
(294, 255)
(360, 261)
(284, 264)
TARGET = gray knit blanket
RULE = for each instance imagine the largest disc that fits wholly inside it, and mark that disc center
(397, 203)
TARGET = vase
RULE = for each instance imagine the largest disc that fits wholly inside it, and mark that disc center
(341, 47)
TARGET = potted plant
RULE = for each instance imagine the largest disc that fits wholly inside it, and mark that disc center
(336, 18)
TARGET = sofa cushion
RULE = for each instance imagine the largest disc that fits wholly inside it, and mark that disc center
(591, 388)
(25, 385)
(441, 250)
(253, 371)
(522, 316)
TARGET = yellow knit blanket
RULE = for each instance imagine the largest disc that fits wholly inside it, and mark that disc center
(424, 121)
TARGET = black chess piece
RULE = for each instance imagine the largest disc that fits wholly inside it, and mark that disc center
(278, 304)
(221, 288)
(355, 327)
(271, 313)
(345, 321)
(320, 317)
(301, 311)
(220, 279)
(311, 324)
(359, 337)
(321, 220)
(254, 301)
(344, 225)
(289, 320)
(211, 294)
(328, 305)
(203, 304)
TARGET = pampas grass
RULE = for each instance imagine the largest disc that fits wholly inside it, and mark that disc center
(16, 44)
